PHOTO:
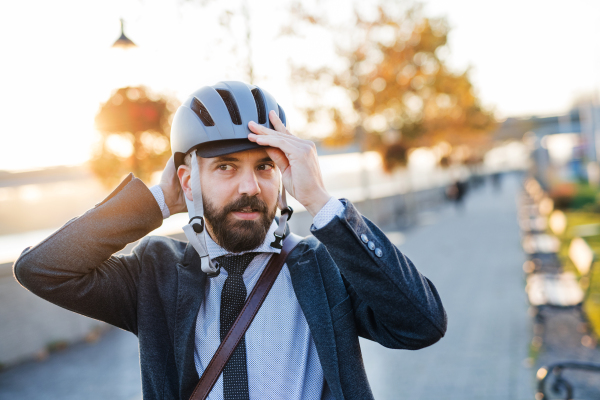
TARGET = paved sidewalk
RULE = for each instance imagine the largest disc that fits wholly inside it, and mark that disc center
(474, 258)
(106, 369)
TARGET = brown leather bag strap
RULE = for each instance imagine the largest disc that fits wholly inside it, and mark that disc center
(243, 321)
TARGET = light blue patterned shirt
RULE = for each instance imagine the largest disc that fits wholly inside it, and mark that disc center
(281, 355)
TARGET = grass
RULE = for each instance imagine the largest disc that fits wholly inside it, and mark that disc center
(592, 303)
(585, 199)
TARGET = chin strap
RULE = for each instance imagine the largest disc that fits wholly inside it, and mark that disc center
(195, 230)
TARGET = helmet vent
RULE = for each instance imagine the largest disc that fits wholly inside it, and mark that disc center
(260, 105)
(202, 113)
(232, 107)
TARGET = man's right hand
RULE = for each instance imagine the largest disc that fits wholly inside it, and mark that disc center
(169, 183)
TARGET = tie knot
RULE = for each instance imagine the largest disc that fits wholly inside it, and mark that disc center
(236, 265)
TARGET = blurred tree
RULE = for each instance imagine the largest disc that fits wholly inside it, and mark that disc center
(397, 91)
(134, 125)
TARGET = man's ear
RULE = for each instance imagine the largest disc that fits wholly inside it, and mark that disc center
(184, 174)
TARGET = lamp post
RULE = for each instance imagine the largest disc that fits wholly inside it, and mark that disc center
(123, 41)
(123, 62)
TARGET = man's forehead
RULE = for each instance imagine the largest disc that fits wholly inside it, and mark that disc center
(252, 155)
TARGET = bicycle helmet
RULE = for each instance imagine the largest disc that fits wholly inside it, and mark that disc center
(213, 122)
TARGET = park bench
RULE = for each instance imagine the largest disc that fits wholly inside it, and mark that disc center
(540, 243)
(559, 382)
(548, 285)
(535, 224)
(563, 290)
(535, 209)
(541, 248)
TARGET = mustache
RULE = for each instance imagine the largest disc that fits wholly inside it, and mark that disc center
(246, 202)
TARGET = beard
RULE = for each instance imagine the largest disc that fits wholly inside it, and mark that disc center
(235, 235)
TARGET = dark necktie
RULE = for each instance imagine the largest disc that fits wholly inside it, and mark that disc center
(233, 297)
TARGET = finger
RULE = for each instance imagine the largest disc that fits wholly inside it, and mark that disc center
(283, 143)
(262, 130)
(278, 124)
(169, 170)
(287, 143)
(171, 166)
(278, 158)
(276, 121)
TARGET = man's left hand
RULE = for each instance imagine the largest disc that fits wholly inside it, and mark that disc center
(297, 160)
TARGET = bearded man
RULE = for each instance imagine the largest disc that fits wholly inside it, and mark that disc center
(232, 153)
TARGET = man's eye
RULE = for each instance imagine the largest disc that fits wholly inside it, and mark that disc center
(265, 167)
(225, 167)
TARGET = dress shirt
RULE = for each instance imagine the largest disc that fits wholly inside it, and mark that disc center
(281, 355)
(160, 199)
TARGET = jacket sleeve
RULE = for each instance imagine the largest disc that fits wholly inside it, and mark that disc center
(75, 267)
(393, 303)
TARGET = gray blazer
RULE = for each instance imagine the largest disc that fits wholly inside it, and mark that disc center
(343, 288)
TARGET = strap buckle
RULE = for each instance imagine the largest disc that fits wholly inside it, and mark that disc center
(217, 271)
(277, 243)
(288, 210)
(198, 227)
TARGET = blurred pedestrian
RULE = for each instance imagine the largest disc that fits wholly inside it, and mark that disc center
(456, 192)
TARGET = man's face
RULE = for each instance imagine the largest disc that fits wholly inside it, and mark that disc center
(240, 193)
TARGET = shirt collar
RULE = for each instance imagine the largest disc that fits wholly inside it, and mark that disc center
(214, 250)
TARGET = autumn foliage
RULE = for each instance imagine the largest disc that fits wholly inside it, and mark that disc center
(399, 92)
(134, 125)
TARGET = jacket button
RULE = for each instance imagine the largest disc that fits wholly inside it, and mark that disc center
(378, 252)
(364, 238)
(371, 245)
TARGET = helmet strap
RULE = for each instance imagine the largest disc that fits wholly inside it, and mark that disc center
(195, 230)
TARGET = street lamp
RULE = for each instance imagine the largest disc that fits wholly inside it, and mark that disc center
(123, 61)
(123, 41)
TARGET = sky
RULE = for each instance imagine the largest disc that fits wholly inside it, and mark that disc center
(525, 57)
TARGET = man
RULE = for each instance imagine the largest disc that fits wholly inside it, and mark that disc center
(230, 145)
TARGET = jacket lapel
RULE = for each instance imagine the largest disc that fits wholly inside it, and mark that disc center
(310, 291)
(190, 294)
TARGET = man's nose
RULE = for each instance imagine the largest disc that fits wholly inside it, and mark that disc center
(249, 184)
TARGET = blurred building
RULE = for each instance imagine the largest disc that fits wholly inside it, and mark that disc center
(563, 147)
